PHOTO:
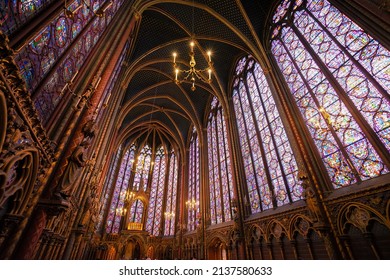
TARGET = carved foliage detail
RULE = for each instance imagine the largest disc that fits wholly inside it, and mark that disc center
(358, 215)
(19, 174)
(277, 230)
(359, 218)
(15, 91)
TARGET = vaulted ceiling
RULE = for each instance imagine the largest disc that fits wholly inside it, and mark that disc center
(153, 101)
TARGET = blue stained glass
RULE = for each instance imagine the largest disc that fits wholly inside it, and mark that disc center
(68, 70)
(27, 70)
(41, 40)
(61, 33)
(76, 29)
(29, 6)
(47, 62)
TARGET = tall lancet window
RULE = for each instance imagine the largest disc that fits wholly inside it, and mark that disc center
(108, 186)
(136, 211)
(142, 167)
(192, 203)
(118, 197)
(220, 171)
(269, 163)
(155, 209)
(338, 76)
(170, 208)
(53, 57)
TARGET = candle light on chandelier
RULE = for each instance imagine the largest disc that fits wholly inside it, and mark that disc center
(192, 204)
(193, 74)
(121, 211)
(169, 215)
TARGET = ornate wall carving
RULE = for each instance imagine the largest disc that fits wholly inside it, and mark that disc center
(3, 118)
(25, 151)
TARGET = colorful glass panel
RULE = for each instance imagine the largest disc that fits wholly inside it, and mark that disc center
(76, 29)
(50, 45)
(47, 62)
(68, 71)
(194, 184)
(336, 74)
(61, 32)
(14, 14)
(169, 228)
(117, 208)
(136, 211)
(220, 174)
(26, 69)
(269, 163)
(157, 193)
(107, 188)
(40, 41)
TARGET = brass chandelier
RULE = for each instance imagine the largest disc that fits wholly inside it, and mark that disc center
(193, 74)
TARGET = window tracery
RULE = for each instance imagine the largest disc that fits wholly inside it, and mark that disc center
(337, 75)
(194, 183)
(220, 171)
(63, 40)
(171, 194)
(118, 196)
(157, 189)
(269, 162)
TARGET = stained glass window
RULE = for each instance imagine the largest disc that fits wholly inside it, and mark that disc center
(269, 163)
(338, 76)
(107, 188)
(118, 197)
(108, 91)
(136, 211)
(194, 184)
(142, 168)
(61, 32)
(155, 208)
(14, 14)
(170, 208)
(51, 44)
(220, 171)
(76, 28)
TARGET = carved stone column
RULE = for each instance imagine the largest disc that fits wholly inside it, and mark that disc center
(346, 241)
(32, 235)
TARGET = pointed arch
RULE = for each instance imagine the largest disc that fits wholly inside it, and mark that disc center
(270, 167)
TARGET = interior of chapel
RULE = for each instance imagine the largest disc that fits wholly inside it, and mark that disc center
(194, 129)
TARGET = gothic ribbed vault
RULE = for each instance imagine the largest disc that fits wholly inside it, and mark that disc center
(227, 29)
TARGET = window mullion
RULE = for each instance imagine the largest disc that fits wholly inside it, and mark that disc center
(272, 138)
(227, 153)
(249, 146)
(352, 58)
(212, 168)
(219, 163)
(263, 155)
(330, 128)
(363, 124)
